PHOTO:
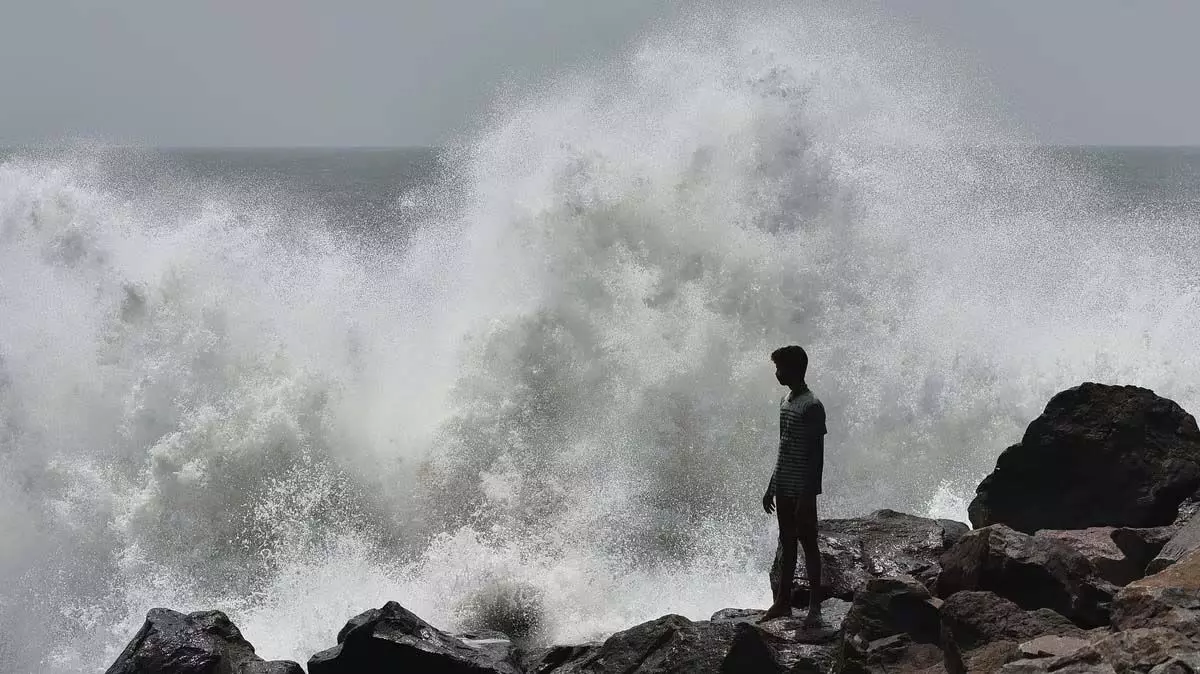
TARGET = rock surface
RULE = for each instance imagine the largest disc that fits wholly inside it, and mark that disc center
(1051, 646)
(1097, 456)
(884, 544)
(893, 625)
(1137, 650)
(205, 642)
(975, 619)
(1185, 540)
(1188, 663)
(1170, 598)
(1032, 572)
(392, 638)
(551, 659)
(1097, 544)
(670, 645)
(1144, 545)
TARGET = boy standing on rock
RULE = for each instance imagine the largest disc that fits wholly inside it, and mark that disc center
(794, 486)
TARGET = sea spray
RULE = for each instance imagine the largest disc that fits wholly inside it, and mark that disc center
(553, 407)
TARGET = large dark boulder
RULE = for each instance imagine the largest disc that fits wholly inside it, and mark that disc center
(1098, 455)
(1032, 572)
(893, 625)
(884, 544)
(204, 642)
(393, 639)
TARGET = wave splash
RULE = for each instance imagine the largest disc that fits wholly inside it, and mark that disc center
(552, 410)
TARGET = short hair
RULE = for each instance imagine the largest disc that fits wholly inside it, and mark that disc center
(792, 358)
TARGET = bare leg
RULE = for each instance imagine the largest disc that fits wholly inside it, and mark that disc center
(785, 509)
(806, 527)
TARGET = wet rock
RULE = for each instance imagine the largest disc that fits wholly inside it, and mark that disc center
(757, 650)
(798, 648)
(205, 642)
(752, 652)
(1032, 572)
(392, 638)
(833, 614)
(884, 544)
(670, 645)
(893, 625)
(551, 659)
(1097, 456)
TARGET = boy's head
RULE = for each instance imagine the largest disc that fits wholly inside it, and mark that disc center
(791, 364)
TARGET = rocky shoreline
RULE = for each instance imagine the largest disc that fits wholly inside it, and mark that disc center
(1085, 557)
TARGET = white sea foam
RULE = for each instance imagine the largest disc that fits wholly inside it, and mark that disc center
(555, 406)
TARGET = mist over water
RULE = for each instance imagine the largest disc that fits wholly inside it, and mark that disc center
(551, 409)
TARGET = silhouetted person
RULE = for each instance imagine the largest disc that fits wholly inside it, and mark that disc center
(796, 481)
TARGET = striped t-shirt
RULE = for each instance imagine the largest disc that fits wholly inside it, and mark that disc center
(801, 445)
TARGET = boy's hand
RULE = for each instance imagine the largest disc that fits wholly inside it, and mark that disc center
(769, 502)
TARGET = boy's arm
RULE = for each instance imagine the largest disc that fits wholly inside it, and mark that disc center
(769, 497)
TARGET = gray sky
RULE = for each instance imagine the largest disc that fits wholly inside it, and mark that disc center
(407, 72)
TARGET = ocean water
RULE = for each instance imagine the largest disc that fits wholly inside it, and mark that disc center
(522, 381)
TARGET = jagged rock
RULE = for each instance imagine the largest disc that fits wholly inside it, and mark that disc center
(983, 631)
(1097, 456)
(798, 648)
(1032, 572)
(752, 652)
(975, 619)
(893, 625)
(551, 659)
(392, 638)
(670, 645)
(1097, 545)
(757, 650)
(1170, 598)
(204, 642)
(884, 544)
(1188, 663)
(1185, 540)
(1137, 650)
(833, 614)
(1143, 545)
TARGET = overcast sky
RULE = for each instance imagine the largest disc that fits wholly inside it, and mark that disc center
(411, 72)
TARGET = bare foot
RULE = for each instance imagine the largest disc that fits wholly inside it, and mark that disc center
(777, 610)
(813, 619)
